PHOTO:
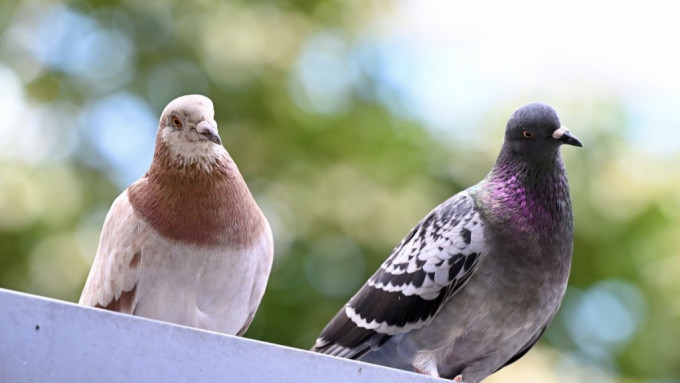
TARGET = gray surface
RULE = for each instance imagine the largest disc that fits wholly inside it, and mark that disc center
(44, 340)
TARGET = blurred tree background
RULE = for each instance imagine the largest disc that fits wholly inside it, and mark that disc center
(350, 120)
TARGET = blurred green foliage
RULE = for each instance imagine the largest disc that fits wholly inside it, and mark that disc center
(341, 176)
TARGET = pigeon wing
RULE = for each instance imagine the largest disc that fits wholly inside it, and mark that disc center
(433, 262)
(112, 281)
(263, 268)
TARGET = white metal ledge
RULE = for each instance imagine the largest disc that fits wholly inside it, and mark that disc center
(45, 340)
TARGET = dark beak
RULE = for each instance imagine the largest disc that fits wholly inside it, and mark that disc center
(210, 136)
(564, 136)
(208, 129)
(570, 139)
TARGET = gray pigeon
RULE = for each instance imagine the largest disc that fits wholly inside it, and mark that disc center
(475, 284)
(186, 243)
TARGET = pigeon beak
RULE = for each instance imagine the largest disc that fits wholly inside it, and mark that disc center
(564, 136)
(208, 129)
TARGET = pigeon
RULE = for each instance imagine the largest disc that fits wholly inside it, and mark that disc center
(187, 242)
(475, 284)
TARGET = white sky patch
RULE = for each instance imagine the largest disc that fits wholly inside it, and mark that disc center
(122, 127)
(464, 57)
(31, 133)
(537, 40)
(76, 44)
(323, 77)
(12, 106)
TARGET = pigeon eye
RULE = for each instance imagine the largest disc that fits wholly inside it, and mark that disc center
(176, 122)
(527, 134)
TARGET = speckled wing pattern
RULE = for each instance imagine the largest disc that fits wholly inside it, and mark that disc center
(434, 260)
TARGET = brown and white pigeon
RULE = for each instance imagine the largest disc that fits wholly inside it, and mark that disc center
(186, 243)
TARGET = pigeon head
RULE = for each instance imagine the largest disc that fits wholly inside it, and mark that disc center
(534, 131)
(188, 130)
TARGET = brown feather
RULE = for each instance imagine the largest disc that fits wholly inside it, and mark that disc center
(189, 204)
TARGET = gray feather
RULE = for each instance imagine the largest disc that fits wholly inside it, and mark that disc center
(475, 284)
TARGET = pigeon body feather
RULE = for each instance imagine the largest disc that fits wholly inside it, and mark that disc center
(512, 236)
(186, 243)
(425, 269)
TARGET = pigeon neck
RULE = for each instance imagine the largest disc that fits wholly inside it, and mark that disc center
(189, 204)
(528, 193)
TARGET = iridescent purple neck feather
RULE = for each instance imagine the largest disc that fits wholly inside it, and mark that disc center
(529, 195)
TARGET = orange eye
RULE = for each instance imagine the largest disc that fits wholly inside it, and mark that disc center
(176, 122)
(527, 134)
